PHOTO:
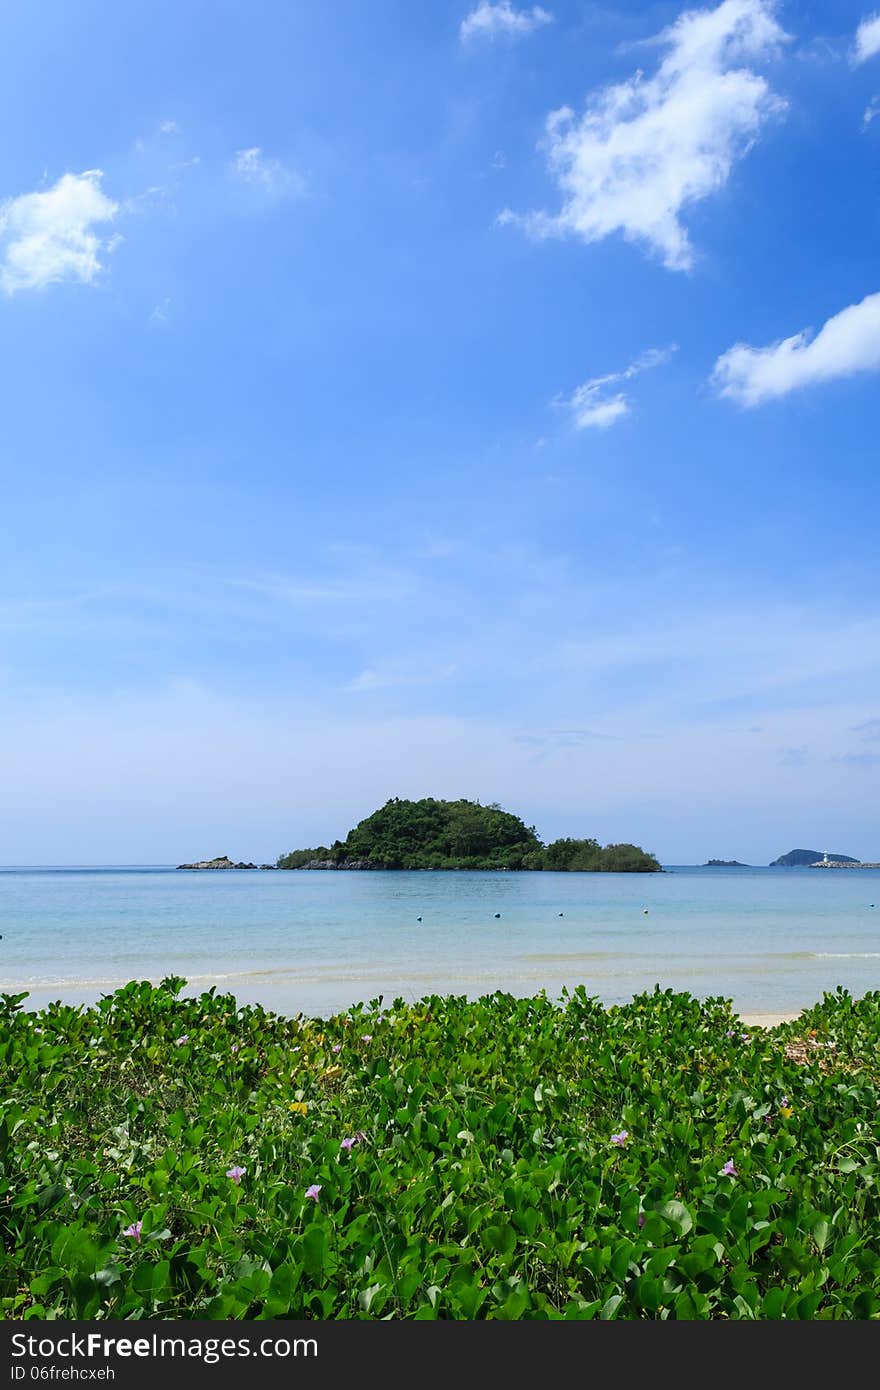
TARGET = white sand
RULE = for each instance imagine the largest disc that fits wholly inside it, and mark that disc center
(767, 1020)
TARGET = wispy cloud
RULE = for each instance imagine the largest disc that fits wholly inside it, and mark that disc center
(867, 44)
(398, 676)
(794, 757)
(488, 21)
(871, 111)
(545, 745)
(647, 149)
(847, 343)
(869, 730)
(162, 311)
(270, 175)
(293, 591)
(865, 761)
(591, 405)
(51, 236)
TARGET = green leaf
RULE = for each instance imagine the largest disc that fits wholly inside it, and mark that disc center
(314, 1249)
(820, 1233)
(678, 1216)
(610, 1307)
(500, 1238)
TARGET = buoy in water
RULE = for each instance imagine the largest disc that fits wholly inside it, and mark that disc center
(497, 914)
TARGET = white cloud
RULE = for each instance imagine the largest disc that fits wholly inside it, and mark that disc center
(270, 175)
(168, 128)
(590, 405)
(590, 413)
(489, 20)
(398, 676)
(50, 236)
(848, 343)
(161, 311)
(871, 110)
(647, 149)
(867, 39)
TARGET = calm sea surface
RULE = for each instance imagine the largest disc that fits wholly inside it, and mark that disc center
(316, 942)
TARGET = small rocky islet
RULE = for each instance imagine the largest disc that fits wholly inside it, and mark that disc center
(223, 862)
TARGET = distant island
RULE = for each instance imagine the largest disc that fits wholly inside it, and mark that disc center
(724, 864)
(802, 858)
(222, 862)
(432, 834)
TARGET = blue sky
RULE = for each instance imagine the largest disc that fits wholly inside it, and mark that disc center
(416, 400)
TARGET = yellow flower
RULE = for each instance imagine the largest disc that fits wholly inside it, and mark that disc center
(298, 1107)
(786, 1111)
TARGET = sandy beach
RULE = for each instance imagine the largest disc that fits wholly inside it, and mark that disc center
(767, 1020)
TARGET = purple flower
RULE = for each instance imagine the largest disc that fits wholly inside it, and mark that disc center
(184, 1038)
(366, 1037)
(744, 1036)
(621, 1138)
(134, 1231)
(235, 1047)
(731, 1033)
(357, 1138)
(641, 1219)
(313, 1191)
(729, 1169)
(783, 1100)
(337, 1047)
(236, 1173)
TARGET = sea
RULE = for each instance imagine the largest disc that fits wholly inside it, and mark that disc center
(317, 942)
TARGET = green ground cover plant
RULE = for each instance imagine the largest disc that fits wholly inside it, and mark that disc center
(175, 1157)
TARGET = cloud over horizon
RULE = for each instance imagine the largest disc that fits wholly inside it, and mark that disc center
(646, 149)
(50, 236)
(847, 343)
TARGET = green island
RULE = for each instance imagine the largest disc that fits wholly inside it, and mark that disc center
(432, 834)
(164, 1156)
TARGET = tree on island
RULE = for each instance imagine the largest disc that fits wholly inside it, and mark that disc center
(433, 834)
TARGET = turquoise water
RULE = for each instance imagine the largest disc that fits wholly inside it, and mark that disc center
(770, 939)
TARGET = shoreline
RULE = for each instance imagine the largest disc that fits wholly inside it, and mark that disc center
(769, 1020)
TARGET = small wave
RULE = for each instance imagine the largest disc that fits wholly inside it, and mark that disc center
(845, 955)
(580, 955)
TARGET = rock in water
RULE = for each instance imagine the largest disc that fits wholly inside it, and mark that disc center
(222, 862)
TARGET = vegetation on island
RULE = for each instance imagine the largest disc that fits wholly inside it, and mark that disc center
(432, 834)
(170, 1157)
(802, 858)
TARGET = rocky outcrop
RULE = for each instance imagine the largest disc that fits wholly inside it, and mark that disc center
(344, 864)
(223, 862)
(724, 864)
(842, 864)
